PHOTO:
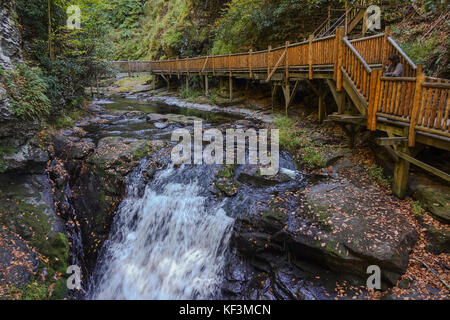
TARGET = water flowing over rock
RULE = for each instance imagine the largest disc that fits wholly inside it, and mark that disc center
(165, 244)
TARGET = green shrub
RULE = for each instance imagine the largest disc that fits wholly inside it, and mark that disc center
(189, 94)
(289, 137)
(377, 174)
(27, 90)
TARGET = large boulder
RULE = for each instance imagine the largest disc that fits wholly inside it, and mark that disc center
(435, 200)
(28, 158)
(338, 226)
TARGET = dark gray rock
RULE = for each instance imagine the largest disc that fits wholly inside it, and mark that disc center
(439, 240)
(10, 39)
(434, 199)
(29, 158)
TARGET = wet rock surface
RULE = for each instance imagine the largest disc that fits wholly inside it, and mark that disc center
(436, 200)
(89, 175)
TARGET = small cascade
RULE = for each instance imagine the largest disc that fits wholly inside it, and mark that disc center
(166, 243)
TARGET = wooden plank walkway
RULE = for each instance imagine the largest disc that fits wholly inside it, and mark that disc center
(413, 106)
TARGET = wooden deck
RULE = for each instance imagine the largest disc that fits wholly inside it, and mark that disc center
(413, 108)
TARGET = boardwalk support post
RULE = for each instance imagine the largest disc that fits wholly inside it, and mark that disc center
(401, 173)
(322, 111)
(340, 58)
(206, 85)
(230, 83)
(310, 57)
(274, 91)
(420, 79)
(287, 95)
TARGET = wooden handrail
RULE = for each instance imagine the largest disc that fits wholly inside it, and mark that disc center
(437, 85)
(358, 56)
(403, 54)
(375, 36)
(412, 79)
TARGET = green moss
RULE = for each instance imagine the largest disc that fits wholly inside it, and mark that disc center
(319, 213)
(127, 84)
(274, 215)
(376, 173)
(227, 187)
(68, 120)
(33, 225)
(296, 140)
(227, 172)
(141, 151)
(190, 95)
(4, 150)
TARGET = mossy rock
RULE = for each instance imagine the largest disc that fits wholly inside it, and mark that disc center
(228, 187)
(227, 172)
(274, 219)
(439, 240)
(435, 200)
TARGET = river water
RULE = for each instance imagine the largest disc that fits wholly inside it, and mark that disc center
(170, 236)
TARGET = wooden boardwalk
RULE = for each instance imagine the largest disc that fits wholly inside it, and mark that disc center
(413, 110)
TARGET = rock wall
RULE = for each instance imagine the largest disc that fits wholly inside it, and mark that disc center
(10, 38)
(18, 150)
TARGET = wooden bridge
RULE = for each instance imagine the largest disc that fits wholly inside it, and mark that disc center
(413, 110)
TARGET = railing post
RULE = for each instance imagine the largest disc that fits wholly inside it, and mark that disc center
(250, 62)
(230, 78)
(310, 56)
(286, 62)
(420, 79)
(346, 19)
(340, 57)
(375, 78)
(329, 18)
(229, 62)
(384, 54)
(214, 65)
(268, 59)
(178, 69)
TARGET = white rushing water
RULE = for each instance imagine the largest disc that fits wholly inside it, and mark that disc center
(166, 245)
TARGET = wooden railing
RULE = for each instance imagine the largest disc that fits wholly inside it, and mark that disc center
(414, 100)
(378, 48)
(370, 48)
(332, 23)
(431, 113)
(420, 102)
(358, 70)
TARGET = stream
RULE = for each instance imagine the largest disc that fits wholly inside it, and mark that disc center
(171, 236)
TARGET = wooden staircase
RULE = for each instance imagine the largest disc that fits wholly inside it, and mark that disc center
(349, 21)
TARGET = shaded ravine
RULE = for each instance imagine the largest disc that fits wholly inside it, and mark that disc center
(170, 238)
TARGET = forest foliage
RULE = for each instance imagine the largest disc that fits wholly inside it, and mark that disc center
(158, 29)
(67, 61)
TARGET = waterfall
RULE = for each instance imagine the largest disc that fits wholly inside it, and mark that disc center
(165, 244)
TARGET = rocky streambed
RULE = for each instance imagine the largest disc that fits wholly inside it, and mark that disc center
(289, 236)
